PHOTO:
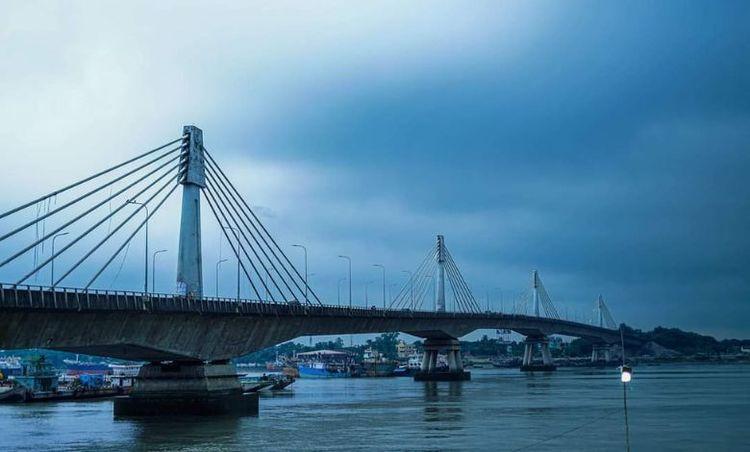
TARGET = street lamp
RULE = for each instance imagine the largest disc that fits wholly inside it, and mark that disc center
(145, 277)
(382, 268)
(153, 269)
(367, 298)
(411, 287)
(52, 268)
(237, 238)
(626, 374)
(350, 278)
(306, 275)
(218, 263)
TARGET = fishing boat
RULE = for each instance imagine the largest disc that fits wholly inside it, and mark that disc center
(326, 364)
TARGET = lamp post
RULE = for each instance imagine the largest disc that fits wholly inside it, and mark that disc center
(349, 259)
(237, 238)
(306, 275)
(145, 274)
(626, 374)
(153, 269)
(382, 267)
(218, 264)
(411, 287)
(52, 263)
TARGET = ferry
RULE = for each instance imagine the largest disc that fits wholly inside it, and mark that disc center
(326, 364)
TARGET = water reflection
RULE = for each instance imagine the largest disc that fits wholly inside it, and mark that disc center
(443, 404)
(200, 432)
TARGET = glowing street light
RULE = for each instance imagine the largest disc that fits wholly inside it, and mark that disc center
(626, 374)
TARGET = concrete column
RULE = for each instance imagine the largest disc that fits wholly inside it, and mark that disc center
(440, 280)
(433, 361)
(425, 361)
(535, 291)
(452, 361)
(192, 177)
(546, 355)
(594, 354)
(459, 361)
(528, 353)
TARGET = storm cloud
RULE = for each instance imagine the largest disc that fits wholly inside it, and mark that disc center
(604, 144)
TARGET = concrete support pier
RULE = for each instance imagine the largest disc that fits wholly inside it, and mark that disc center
(528, 364)
(429, 371)
(601, 352)
(193, 388)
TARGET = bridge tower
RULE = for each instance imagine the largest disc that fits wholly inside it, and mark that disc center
(599, 311)
(192, 176)
(535, 291)
(440, 280)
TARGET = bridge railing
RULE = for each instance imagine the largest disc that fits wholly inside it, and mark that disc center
(91, 300)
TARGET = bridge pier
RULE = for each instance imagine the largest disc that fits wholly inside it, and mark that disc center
(186, 387)
(601, 352)
(429, 370)
(528, 364)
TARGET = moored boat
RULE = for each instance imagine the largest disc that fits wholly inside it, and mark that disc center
(326, 364)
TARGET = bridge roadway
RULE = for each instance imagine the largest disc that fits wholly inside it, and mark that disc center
(158, 327)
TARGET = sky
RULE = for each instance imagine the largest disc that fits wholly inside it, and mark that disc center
(604, 144)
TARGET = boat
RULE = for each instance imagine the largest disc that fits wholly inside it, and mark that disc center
(78, 367)
(374, 364)
(326, 364)
(256, 383)
(40, 382)
(123, 375)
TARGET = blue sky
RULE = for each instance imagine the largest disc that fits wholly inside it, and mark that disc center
(603, 143)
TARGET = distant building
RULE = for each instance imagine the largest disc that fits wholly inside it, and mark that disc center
(404, 350)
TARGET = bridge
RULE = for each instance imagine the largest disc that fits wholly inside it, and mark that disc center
(188, 338)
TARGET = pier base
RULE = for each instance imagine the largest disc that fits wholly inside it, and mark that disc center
(192, 388)
(430, 371)
(528, 364)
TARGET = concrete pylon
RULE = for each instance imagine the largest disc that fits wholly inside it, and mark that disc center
(600, 313)
(440, 280)
(535, 291)
(192, 177)
(528, 364)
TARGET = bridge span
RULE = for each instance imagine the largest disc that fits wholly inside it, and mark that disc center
(189, 338)
(158, 327)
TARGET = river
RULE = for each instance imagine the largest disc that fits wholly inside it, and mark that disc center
(671, 408)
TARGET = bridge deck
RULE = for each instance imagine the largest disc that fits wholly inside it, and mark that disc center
(142, 323)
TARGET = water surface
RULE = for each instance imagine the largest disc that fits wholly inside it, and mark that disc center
(671, 408)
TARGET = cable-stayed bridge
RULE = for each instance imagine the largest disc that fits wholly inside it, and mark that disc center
(188, 336)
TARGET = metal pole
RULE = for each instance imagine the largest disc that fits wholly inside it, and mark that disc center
(153, 269)
(218, 263)
(350, 278)
(145, 265)
(52, 263)
(237, 238)
(382, 267)
(304, 248)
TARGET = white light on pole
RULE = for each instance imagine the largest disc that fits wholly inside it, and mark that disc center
(153, 269)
